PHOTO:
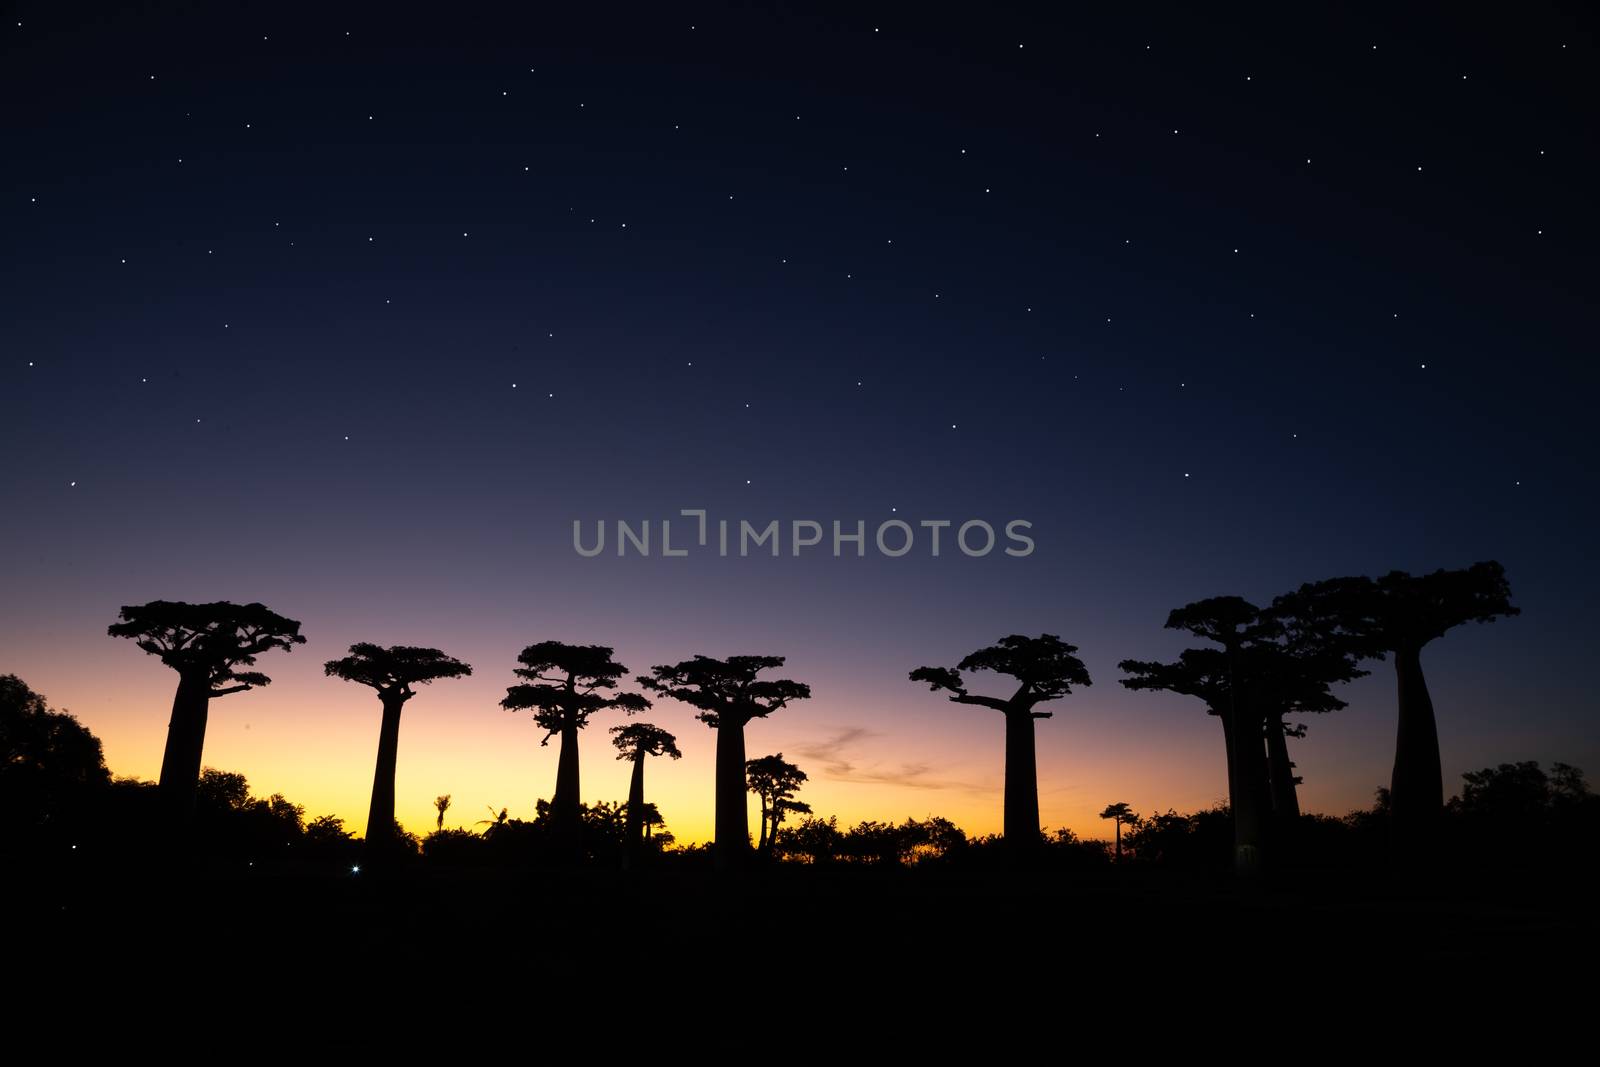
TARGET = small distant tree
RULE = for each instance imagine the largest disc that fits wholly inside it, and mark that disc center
(392, 672)
(1120, 813)
(775, 781)
(207, 644)
(441, 805)
(813, 840)
(636, 741)
(1045, 669)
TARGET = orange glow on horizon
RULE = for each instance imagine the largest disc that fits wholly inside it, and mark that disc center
(314, 739)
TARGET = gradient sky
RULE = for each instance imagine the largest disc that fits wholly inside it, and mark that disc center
(354, 315)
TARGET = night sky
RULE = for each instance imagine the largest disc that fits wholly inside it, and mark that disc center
(354, 313)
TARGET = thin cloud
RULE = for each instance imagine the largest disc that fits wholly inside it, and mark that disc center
(840, 765)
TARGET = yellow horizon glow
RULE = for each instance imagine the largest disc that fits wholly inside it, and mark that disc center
(314, 740)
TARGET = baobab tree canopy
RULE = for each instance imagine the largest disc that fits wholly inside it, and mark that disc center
(1406, 611)
(1198, 672)
(726, 689)
(634, 738)
(1223, 619)
(214, 639)
(1045, 666)
(396, 669)
(565, 684)
(774, 777)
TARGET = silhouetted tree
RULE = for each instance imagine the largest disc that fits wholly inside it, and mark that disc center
(565, 684)
(50, 764)
(1045, 669)
(656, 833)
(441, 805)
(206, 644)
(1120, 813)
(1271, 664)
(392, 672)
(729, 694)
(1198, 672)
(1400, 614)
(636, 741)
(1229, 621)
(775, 780)
(816, 841)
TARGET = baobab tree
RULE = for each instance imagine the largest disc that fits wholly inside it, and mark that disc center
(1290, 665)
(729, 693)
(393, 672)
(637, 741)
(775, 780)
(564, 685)
(207, 644)
(441, 805)
(1198, 672)
(1120, 813)
(1399, 614)
(1272, 664)
(1045, 668)
(1231, 622)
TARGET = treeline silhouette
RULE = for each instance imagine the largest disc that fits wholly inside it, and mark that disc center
(1262, 668)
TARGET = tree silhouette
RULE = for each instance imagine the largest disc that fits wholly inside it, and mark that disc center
(51, 766)
(1045, 669)
(1400, 614)
(1271, 664)
(1295, 656)
(729, 694)
(206, 644)
(636, 741)
(775, 781)
(565, 684)
(1121, 813)
(392, 672)
(1229, 622)
(1199, 672)
(441, 805)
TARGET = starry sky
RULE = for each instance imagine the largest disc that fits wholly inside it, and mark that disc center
(354, 312)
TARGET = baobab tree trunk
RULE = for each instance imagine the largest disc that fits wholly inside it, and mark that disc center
(380, 816)
(1119, 840)
(186, 740)
(1227, 743)
(634, 830)
(564, 805)
(1416, 790)
(1280, 773)
(1248, 793)
(1021, 827)
(732, 822)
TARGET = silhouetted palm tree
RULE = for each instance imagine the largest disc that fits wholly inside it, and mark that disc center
(1401, 613)
(635, 741)
(729, 694)
(1121, 813)
(775, 780)
(1045, 669)
(441, 805)
(206, 644)
(392, 672)
(565, 684)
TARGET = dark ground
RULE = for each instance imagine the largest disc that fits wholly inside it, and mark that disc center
(795, 955)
